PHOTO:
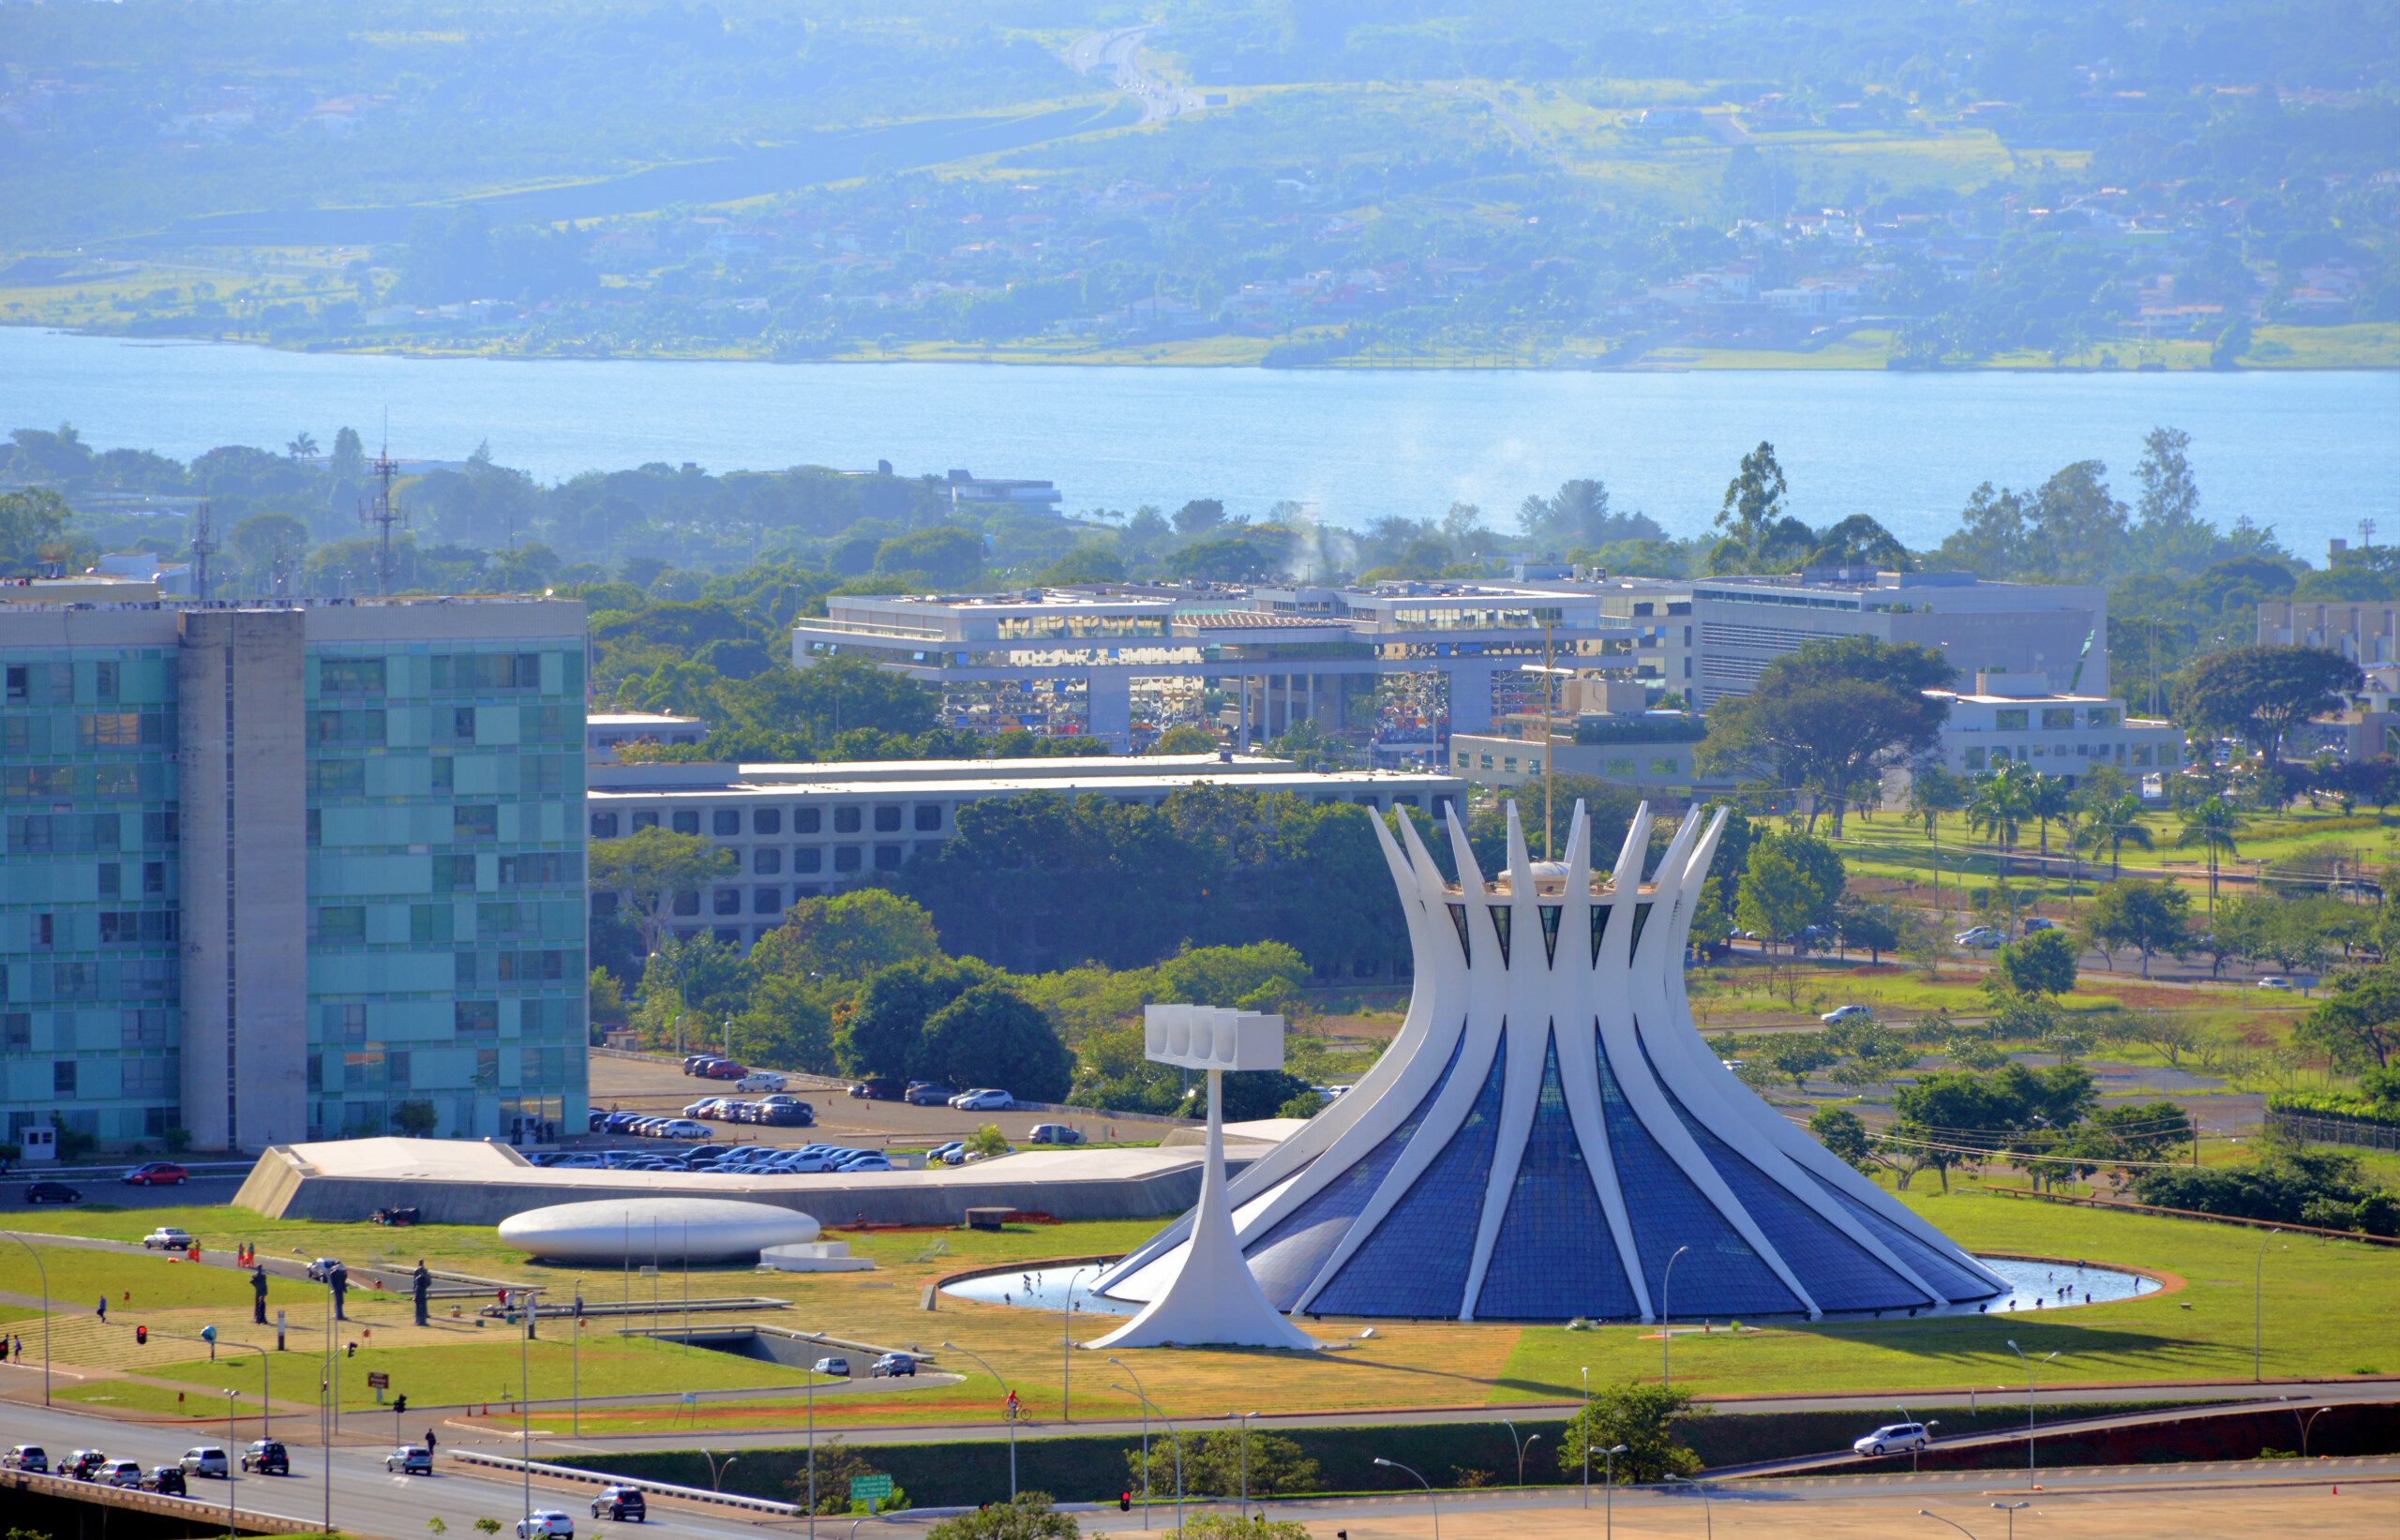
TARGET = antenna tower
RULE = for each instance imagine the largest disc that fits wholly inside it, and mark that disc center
(380, 512)
(202, 546)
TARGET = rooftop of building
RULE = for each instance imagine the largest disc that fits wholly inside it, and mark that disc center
(984, 777)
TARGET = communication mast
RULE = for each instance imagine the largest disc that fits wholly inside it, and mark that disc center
(380, 512)
(202, 546)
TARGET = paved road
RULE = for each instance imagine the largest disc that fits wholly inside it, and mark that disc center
(200, 1192)
(364, 1497)
(1119, 53)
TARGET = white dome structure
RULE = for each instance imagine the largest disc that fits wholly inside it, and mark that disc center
(616, 1230)
(1547, 1137)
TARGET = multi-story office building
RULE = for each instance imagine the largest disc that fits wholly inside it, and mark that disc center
(2367, 634)
(2060, 632)
(796, 831)
(272, 872)
(1404, 662)
(2019, 717)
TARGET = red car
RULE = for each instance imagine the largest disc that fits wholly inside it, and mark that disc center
(722, 1069)
(157, 1173)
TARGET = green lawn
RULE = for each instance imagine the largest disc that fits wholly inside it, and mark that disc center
(2328, 1313)
(78, 1278)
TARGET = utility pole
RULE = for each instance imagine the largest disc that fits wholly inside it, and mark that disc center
(379, 512)
(202, 546)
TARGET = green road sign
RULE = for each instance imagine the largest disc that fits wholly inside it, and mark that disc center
(870, 1488)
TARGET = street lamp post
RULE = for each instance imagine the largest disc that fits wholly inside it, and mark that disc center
(1145, 1446)
(1436, 1502)
(953, 1347)
(716, 1471)
(232, 1439)
(1929, 1513)
(2012, 1509)
(44, 1273)
(525, 1402)
(2306, 1422)
(1168, 1424)
(266, 1377)
(2030, 1364)
(1243, 1417)
(1707, 1515)
(1611, 1513)
(1587, 1435)
(1067, 1347)
(1666, 1328)
(1916, 1449)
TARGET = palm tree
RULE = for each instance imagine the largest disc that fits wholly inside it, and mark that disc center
(2047, 797)
(2111, 824)
(2210, 824)
(1933, 792)
(304, 447)
(1997, 807)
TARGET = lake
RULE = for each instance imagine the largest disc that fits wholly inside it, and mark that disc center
(2309, 453)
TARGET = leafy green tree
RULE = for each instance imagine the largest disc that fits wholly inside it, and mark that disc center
(33, 530)
(2111, 824)
(2260, 694)
(2042, 963)
(1873, 928)
(1845, 1137)
(949, 556)
(1829, 718)
(785, 1024)
(1791, 882)
(415, 1118)
(1028, 1517)
(886, 1031)
(1185, 739)
(1753, 501)
(1934, 790)
(1796, 1055)
(646, 869)
(846, 936)
(2357, 1024)
(2151, 917)
(992, 1036)
(1213, 1464)
(1641, 1416)
(832, 695)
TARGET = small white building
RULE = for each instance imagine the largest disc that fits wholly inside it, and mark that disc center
(605, 731)
(2019, 717)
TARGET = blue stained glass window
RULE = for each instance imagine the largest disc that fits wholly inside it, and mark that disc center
(1554, 1258)
(1416, 1263)
(1501, 917)
(1937, 1269)
(1838, 1273)
(1458, 919)
(1550, 913)
(1286, 1259)
(1600, 913)
(1720, 1275)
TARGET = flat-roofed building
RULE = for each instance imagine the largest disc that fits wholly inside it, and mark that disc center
(2366, 633)
(2019, 717)
(798, 831)
(604, 732)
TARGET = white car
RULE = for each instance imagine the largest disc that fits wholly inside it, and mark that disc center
(167, 1238)
(205, 1460)
(121, 1473)
(413, 1459)
(2275, 980)
(984, 1100)
(1981, 936)
(546, 1522)
(760, 1079)
(1898, 1438)
(682, 1127)
(1847, 1013)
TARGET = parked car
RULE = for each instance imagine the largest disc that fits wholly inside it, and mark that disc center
(167, 1237)
(786, 1114)
(2275, 980)
(722, 1069)
(82, 1463)
(166, 1480)
(693, 1062)
(121, 1473)
(948, 1155)
(877, 1088)
(838, 1368)
(924, 1093)
(26, 1457)
(1847, 1013)
(206, 1461)
(983, 1099)
(973, 1156)
(760, 1079)
(864, 1161)
(706, 1107)
(893, 1365)
(1892, 1439)
(51, 1192)
(410, 1461)
(2035, 923)
(157, 1173)
(267, 1457)
(1981, 937)
(1057, 1134)
(323, 1268)
(621, 1503)
(682, 1127)
(545, 1524)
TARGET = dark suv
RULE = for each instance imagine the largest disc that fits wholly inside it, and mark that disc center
(878, 1088)
(620, 1502)
(267, 1457)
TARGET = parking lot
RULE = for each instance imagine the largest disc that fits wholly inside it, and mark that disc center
(660, 1087)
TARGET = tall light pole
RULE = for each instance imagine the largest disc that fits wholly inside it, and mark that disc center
(1530, 1441)
(525, 1401)
(1708, 1516)
(2011, 1509)
(1587, 1435)
(266, 1378)
(1146, 1440)
(716, 1471)
(1929, 1513)
(1243, 1417)
(953, 1347)
(2307, 1422)
(1395, 1465)
(2030, 1364)
(1168, 1424)
(1666, 1320)
(44, 1272)
(232, 1439)
(1610, 1528)
(1067, 1344)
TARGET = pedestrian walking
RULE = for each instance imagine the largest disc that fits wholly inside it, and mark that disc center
(104, 1307)
(430, 1441)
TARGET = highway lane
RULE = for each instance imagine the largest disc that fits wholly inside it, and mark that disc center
(366, 1500)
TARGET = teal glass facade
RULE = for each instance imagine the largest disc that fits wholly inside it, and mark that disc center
(89, 920)
(442, 793)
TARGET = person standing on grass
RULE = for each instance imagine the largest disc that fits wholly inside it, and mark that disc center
(104, 1307)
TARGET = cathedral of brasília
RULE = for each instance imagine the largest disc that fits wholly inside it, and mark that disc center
(1548, 1137)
